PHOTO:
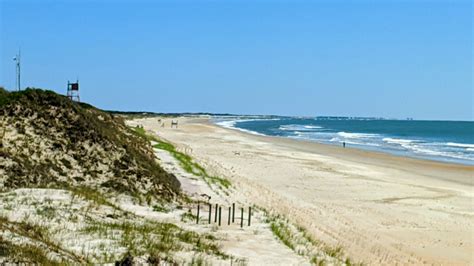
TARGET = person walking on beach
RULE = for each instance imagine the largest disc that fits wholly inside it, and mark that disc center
(343, 144)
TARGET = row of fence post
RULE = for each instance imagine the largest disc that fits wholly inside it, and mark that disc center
(218, 215)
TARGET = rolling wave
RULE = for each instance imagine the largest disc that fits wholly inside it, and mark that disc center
(300, 128)
(356, 135)
(461, 145)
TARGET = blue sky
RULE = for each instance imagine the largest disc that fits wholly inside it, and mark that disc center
(357, 58)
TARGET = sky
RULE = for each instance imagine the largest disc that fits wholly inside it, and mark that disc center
(392, 59)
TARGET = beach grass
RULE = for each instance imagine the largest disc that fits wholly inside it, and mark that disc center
(298, 239)
(160, 208)
(150, 237)
(190, 166)
(185, 161)
(40, 234)
(101, 234)
(26, 253)
(91, 195)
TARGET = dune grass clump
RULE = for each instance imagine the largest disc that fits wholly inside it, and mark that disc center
(298, 240)
(283, 233)
(198, 261)
(160, 208)
(188, 217)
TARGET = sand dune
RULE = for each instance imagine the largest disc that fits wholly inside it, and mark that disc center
(380, 208)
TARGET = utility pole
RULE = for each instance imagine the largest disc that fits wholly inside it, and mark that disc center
(17, 59)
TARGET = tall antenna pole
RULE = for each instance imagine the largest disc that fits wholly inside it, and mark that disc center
(19, 69)
(17, 59)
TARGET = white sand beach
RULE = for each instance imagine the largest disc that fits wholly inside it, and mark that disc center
(381, 209)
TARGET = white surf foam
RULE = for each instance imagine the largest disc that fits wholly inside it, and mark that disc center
(356, 135)
(295, 127)
(313, 127)
(231, 124)
(398, 141)
(227, 124)
(460, 145)
(427, 151)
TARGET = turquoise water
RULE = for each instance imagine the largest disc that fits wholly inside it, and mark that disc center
(450, 141)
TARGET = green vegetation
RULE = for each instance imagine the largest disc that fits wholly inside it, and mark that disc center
(198, 261)
(153, 237)
(281, 230)
(159, 208)
(186, 162)
(92, 154)
(105, 235)
(190, 166)
(87, 144)
(297, 239)
(188, 217)
(25, 254)
(38, 234)
(139, 131)
(92, 195)
(47, 212)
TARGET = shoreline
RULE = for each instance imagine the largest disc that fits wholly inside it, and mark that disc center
(378, 158)
(462, 162)
(378, 207)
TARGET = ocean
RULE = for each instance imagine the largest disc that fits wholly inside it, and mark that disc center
(448, 141)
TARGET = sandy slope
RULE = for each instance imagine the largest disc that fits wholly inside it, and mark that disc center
(256, 245)
(74, 228)
(379, 208)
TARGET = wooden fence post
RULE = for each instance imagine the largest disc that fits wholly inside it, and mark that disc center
(210, 212)
(197, 216)
(250, 213)
(233, 212)
(220, 208)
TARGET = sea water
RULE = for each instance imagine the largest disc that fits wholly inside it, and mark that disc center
(451, 141)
